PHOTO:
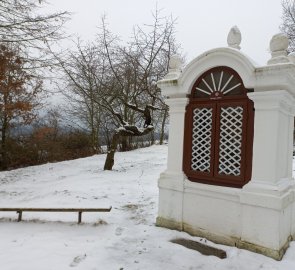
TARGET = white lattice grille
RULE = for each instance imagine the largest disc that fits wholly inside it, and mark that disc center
(201, 139)
(230, 143)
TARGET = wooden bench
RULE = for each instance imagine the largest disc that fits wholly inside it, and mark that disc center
(20, 210)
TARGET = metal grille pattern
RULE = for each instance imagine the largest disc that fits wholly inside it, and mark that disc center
(231, 122)
(201, 139)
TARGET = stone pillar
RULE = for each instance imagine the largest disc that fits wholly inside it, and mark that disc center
(171, 181)
(273, 140)
(267, 199)
(176, 133)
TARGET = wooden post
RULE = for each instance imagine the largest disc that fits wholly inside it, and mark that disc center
(19, 216)
(79, 217)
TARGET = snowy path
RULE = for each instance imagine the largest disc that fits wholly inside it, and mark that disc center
(125, 238)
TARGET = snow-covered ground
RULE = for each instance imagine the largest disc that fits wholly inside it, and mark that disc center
(125, 238)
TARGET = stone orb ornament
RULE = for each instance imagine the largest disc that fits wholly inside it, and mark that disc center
(279, 42)
(175, 62)
(234, 38)
(278, 46)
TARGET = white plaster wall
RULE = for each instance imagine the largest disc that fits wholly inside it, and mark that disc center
(170, 205)
(283, 145)
(286, 224)
(290, 148)
(261, 226)
(266, 227)
(264, 169)
(293, 214)
(221, 216)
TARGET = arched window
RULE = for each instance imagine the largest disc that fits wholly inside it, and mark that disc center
(219, 130)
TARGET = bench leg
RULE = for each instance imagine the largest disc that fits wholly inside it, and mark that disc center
(19, 216)
(79, 217)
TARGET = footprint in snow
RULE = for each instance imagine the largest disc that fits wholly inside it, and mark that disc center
(77, 260)
(267, 266)
(119, 231)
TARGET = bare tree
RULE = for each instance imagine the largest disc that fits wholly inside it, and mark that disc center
(136, 68)
(84, 69)
(23, 22)
(26, 32)
(120, 80)
(288, 24)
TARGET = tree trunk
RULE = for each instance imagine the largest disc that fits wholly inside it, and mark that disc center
(163, 127)
(132, 131)
(3, 153)
(124, 144)
(152, 138)
(94, 140)
(110, 159)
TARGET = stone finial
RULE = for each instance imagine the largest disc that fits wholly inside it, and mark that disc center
(278, 48)
(174, 67)
(234, 38)
(175, 62)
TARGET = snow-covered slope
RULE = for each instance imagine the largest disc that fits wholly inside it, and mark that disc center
(125, 238)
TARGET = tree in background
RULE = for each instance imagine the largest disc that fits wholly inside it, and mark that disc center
(288, 24)
(288, 27)
(135, 70)
(26, 33)
(81, 89)
(23, 22)
(19, 95)
(51, 141)
(119, 80)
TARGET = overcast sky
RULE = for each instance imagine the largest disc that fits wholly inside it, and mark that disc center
(202, 24)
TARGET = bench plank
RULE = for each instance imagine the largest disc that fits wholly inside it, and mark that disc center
(20, 210)
(15, 209)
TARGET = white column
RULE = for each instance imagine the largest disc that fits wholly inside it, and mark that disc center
(272, 156)
(266, 201)
(171, 182)
(176, 134)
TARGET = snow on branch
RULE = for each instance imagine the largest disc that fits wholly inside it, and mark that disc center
(136, 108)
(133, 130)
(154, 108)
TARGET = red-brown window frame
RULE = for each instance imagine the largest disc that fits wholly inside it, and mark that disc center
(213, 177)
